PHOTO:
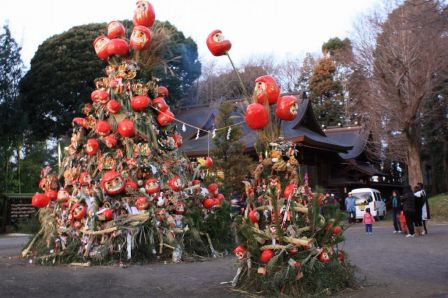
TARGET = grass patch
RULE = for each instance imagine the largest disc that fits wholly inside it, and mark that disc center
(438, 206)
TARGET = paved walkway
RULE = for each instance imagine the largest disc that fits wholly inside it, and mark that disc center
(396, 266)
(393, 266)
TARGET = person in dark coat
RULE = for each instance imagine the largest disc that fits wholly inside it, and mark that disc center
(396, 206)
(418, 210)
(421, 194)
(409, 209)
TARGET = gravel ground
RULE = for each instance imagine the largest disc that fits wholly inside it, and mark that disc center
(389, 265)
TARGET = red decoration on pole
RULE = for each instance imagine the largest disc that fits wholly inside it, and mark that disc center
(144, 14)
(100, 46)
(118, 47)
(266, 89)
(216, 43)
(140, 38)
(115, 29)
(287, 108)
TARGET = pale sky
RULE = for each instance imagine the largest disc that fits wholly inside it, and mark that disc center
(279, 28)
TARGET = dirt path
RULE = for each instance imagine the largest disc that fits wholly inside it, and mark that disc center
(394, 266)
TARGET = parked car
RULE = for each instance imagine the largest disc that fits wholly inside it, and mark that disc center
(369, 198)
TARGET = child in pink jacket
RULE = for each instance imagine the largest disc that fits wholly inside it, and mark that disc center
(368, 221)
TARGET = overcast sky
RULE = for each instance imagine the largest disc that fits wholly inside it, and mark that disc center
(281, 28)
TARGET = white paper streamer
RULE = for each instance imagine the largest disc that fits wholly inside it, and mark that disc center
(228, 133)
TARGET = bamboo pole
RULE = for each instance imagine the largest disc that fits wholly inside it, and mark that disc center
(30, 246)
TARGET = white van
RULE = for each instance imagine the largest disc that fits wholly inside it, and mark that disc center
(369, 198)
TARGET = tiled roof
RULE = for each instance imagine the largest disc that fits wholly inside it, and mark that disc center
(350, 136)
(304, 130)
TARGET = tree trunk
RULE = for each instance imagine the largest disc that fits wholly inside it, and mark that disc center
(414, 164)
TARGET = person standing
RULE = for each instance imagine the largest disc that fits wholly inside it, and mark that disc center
(421, 194)
(368, 221)
(418, 210)
(409, 209)
(395, 211)
(350, 208)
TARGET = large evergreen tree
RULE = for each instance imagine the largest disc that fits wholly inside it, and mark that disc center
(229, 153)
(11, 116)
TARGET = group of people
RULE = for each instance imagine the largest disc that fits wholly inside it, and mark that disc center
(411, 211)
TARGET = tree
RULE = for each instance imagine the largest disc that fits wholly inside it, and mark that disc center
(229, 153)
(225, 85)
(11, 116)
(182, 67)
(305, 72)
(403, 59)
(63, 70)
(326, 93)
(435, 138)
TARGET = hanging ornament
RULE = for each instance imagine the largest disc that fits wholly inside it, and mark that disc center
(214, 133)
(165, 118)
(184, 129)
(228, 133)
(160, 104)
(197, 134)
